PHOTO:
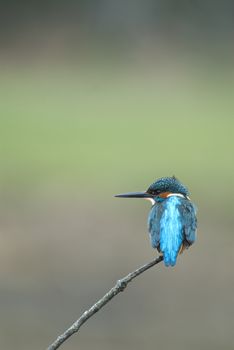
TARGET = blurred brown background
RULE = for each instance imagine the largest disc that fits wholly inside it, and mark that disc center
(99, 98)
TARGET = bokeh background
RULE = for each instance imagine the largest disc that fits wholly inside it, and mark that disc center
(98, 98)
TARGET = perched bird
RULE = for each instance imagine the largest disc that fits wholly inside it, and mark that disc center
(172, 221)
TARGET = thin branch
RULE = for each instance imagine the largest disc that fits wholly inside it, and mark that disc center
(119, 287)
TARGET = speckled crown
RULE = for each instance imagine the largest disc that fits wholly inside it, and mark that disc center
(168, 184)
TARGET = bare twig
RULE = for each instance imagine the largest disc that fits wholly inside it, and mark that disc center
(119, 287)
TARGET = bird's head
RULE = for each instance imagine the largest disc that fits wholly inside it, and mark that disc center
(159, 190)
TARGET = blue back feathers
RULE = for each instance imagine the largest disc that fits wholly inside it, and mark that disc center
(171, 231)
(172, 222)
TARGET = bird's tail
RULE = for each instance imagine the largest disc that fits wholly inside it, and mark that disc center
(170, 258)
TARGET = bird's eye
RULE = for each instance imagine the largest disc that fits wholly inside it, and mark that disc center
(153, 192)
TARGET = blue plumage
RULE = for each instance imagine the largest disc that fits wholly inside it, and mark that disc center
(171, 224)
(172, 221)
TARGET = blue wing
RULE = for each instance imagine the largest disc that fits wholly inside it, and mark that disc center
(188, 215)
(154, 224)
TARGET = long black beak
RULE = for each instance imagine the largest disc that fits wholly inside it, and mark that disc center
(134, 195)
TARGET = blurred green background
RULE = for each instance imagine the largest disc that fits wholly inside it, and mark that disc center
(99, 98)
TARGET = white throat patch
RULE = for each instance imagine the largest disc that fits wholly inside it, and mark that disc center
(151, 200)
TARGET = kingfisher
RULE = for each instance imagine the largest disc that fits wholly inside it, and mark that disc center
(172, 221)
